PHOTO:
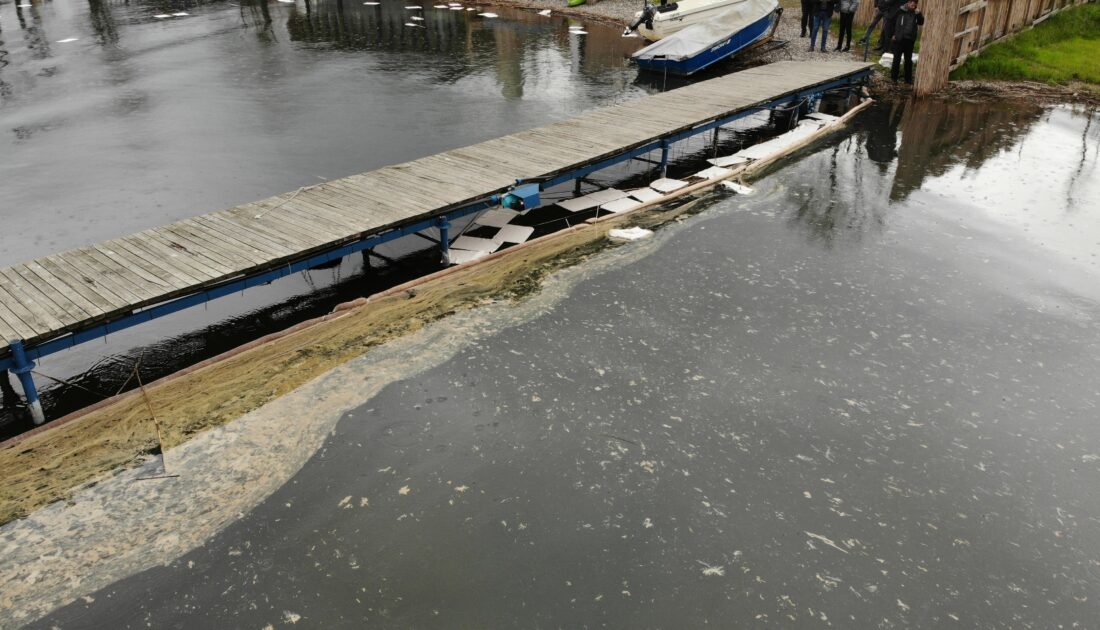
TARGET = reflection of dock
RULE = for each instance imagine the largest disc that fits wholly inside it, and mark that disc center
(59, 301)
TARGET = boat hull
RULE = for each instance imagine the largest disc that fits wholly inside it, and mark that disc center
(691, 13)
(723, 49)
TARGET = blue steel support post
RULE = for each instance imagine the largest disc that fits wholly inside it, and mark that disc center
(664, 157)
(445, 239)
(22, 369)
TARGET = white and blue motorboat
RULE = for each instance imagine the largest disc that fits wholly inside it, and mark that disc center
(696, 47)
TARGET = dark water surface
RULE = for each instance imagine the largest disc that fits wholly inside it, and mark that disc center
(864, 397)
(142, 121)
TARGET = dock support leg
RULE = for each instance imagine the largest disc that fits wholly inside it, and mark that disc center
(445, 239)
(22, 370)
(577, 186)
(664, 157)
(714, 143)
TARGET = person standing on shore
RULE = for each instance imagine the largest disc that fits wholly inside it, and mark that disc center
(847, 10)
(906, 22)
(807, 15)
(889, 10)
(823, 16)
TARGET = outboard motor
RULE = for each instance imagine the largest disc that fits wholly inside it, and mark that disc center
(648, 11)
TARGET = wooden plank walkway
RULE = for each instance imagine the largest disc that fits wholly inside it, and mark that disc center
(73, 290)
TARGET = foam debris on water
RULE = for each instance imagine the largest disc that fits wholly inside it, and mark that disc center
(629, 234)
(740, 189)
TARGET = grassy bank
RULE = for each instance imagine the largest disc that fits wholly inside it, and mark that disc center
(1063, 49)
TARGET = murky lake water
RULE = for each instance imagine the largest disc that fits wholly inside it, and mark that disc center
(142, 121)
(864, 397)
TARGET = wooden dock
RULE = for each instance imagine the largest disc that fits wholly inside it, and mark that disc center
(60, 294)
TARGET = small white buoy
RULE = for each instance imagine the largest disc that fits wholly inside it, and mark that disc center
(629, 234)
(488, 15)
(545, 12)
(740, 189)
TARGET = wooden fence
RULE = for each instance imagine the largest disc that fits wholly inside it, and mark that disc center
(957, 29)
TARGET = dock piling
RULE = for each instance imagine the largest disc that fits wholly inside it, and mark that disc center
(445, 239)
(664, 157)
(22, 370)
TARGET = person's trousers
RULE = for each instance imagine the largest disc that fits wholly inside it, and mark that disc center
(845, 30)
(887, 29)
(871, 28)
(807, 15)
(821, 23)
(903, 47)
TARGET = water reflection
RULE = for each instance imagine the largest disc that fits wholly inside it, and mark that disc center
(1025, 164)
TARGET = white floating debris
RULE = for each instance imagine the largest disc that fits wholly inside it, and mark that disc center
(462, 256)
(545, 12)
(514, 234)
(415, 7)
(621, 205)
(488, 15)
(417, 18)
(181, 14)
(497, 217)
(471, 9)
(666, 185)
(287, 1)
(413, 24)
(66, 41)
(475, 244)
(740, 189)
(161, 16)
(629, 234)
(25, 5)
(729, 160)
(646, 195)
(777, 144)
(592, 200)
(712, 172)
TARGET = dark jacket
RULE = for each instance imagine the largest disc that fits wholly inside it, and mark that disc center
(824, 6)
(906, 23)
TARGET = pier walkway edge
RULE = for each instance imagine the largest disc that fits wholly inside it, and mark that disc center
(62, 300)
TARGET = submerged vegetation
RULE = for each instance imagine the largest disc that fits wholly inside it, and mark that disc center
(1063, 49)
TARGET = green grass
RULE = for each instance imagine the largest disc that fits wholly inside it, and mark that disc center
(1062, 49)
